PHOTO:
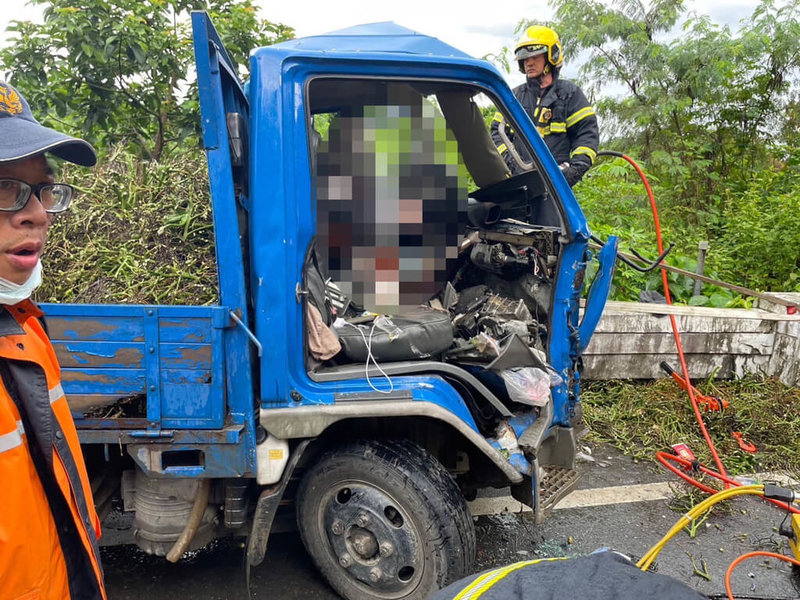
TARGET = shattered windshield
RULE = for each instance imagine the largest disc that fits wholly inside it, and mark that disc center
(427, 244)
(394, 162)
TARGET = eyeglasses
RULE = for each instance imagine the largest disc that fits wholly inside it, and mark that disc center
(14, 195)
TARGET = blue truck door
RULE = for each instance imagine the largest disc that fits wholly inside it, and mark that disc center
(598, 292)
(225, 115)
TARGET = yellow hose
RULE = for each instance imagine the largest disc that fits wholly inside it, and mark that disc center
(753, 490)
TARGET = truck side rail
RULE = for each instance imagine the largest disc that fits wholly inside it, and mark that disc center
(141, 367)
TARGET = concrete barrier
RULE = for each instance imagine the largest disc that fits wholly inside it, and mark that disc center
(633, 338)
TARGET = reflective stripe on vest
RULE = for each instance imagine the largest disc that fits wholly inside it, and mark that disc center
(585, 150)
(483, 583)
(13, 439)
(56, 393)
(587, 111)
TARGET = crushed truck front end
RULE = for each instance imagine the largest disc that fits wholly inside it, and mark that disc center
(378, 83)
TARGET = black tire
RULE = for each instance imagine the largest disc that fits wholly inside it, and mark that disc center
(384, 520)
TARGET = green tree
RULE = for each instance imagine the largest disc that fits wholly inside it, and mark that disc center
(704, 106)
(119, 71)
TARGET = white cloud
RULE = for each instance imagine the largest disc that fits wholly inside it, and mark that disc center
(477, 28)
(17, 10)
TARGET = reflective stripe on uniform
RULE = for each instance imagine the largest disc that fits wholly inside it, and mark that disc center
(585, 150)
(502, 148)
(56, 393)
(13, 439)
(558, 127)
(587, 111)
(478, 587)
(497, 117)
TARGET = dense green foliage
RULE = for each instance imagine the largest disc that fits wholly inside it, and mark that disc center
(120, 74)
(754, 239)
(705, 108)
(644, 418)
(139, 231)
(120, 71)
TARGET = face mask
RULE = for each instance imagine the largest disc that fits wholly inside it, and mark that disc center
(13, 293)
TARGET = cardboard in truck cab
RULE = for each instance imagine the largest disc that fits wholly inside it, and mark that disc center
(398, 321)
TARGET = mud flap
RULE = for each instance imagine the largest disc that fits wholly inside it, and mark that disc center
(266, 507)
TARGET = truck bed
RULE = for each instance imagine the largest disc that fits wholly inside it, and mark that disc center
(141, 367)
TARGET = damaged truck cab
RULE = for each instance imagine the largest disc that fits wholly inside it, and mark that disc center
(398, 320)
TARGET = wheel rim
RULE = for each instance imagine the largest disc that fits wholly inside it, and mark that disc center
(373, 538)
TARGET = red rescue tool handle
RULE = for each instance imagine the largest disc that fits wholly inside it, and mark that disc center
(743, 444)
(684, 469)
(709, 402)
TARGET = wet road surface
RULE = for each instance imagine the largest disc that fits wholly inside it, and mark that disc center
(217, 573)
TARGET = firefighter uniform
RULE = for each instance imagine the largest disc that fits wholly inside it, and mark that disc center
(48, 524)
(566, 121)
(603, 575)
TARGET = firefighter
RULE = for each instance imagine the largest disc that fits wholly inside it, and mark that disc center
(602, 575)
(557, 107)
(48, 525)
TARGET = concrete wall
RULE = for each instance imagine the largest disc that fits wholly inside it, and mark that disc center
(633, 338)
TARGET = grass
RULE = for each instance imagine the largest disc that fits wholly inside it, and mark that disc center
(641, 418)
(138, 232)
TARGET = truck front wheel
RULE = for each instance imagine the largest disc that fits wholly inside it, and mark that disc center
(384, 520)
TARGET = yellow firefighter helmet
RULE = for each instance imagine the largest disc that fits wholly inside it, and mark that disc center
(536, 40)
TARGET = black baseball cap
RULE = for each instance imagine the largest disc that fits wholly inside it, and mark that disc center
(22, 136)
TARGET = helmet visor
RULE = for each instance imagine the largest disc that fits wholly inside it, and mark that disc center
(528, 51)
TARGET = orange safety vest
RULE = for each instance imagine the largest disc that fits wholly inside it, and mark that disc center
(40, 558)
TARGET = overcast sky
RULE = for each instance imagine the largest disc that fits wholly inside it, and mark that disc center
(478, 28)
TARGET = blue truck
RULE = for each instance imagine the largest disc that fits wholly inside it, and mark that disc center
(208, 421)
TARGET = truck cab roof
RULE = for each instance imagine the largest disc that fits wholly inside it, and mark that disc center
(386, 37)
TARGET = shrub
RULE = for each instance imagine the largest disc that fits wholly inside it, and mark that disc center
(138, 232)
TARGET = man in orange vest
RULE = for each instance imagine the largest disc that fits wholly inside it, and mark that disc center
(48, 525)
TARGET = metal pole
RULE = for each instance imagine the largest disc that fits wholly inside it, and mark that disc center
(702, 250)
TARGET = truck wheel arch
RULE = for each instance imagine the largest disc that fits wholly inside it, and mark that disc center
(336, 428)
(388, 419)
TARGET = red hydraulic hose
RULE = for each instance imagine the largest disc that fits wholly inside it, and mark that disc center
(732, 566)
(672, 320)
(688, 467)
